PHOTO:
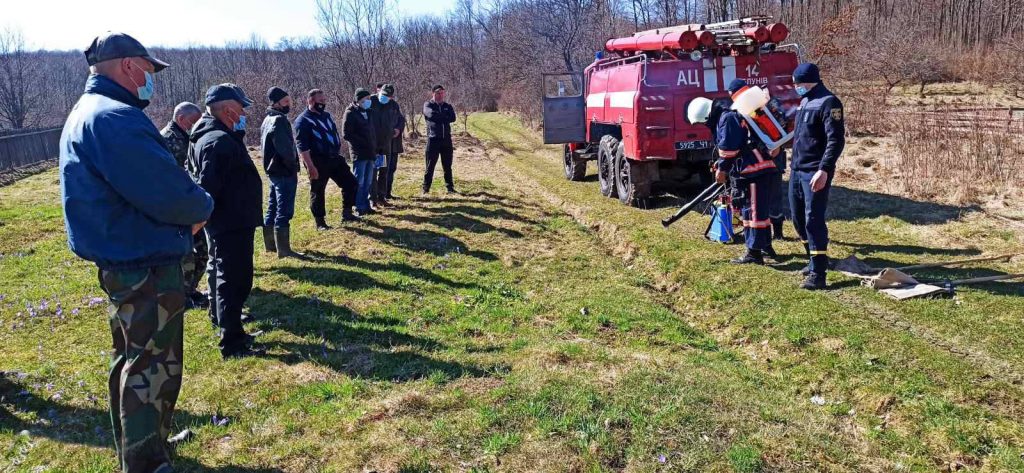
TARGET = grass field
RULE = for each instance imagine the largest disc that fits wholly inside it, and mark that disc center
(530, 324)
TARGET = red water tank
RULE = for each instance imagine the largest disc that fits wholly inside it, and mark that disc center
(685, 40)
(778, 32)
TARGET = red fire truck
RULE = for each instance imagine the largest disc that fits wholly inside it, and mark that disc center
(627, 110)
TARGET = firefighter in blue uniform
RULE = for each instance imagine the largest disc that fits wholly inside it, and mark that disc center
(751, 170)
(818, 141)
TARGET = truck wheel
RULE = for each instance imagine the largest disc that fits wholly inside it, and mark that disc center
(606, 165)
(631, 180)
(575, 168)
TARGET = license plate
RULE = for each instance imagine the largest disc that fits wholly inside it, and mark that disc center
(691, 145)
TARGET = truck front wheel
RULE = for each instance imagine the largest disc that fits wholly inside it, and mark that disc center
(632, 181)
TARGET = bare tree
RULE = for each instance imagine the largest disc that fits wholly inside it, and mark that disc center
(18, 73)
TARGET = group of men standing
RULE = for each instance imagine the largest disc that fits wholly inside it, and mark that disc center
(756, 172)
(155, 210)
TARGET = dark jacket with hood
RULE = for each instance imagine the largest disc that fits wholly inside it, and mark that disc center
(225, 171)
(127, 203)
(278, 145)
(359, 132)
(386, 119)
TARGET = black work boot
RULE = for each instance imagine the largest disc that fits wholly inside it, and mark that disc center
(750, 257)
(284, 244)
(813, 282)
(268, 239)
(777, 224)
(770, 252)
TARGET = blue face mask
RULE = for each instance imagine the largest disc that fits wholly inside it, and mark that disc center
(145, 92)
(801, 90)
(384, 99)
(366, 104)
(240, 126)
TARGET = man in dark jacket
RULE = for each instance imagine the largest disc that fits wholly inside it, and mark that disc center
(359, 132)
(230, 177)
(388, 123)
(818, 141)
(175, 133)
(439, 116)
(281, 162)
(320, 148)
(130, 209)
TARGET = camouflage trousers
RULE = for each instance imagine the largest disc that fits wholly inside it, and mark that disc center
(146, 321)
(194, 263)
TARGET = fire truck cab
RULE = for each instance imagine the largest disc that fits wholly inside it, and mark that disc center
(627, 111)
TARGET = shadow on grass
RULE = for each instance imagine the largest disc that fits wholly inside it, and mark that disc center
(851, 204)
(64, 423)
(933, 254)
(453, 221)
(359, 346)
(420, 240)
(401, 268)
(189, 465)
(485, 198)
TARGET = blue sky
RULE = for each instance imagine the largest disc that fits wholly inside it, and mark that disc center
(72, 24)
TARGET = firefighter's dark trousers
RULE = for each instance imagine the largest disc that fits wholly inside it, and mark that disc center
(754, 213)
(809, 217)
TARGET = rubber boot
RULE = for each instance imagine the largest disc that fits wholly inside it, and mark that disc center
(284, 245)
(777, 224)
(268, 239)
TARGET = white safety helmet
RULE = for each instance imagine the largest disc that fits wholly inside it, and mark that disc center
(698, 110)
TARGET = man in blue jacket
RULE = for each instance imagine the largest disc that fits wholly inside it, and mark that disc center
(225, 170)
(818, 141)
(129, 208)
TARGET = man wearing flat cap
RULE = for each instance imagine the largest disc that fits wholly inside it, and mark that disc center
(130, 209)
(224, 169)
(388, 123)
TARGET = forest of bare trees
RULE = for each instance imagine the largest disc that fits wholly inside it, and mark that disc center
(489, 54)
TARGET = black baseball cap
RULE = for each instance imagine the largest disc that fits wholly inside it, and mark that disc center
(226, 91)
(111, 45)
(437, 88)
